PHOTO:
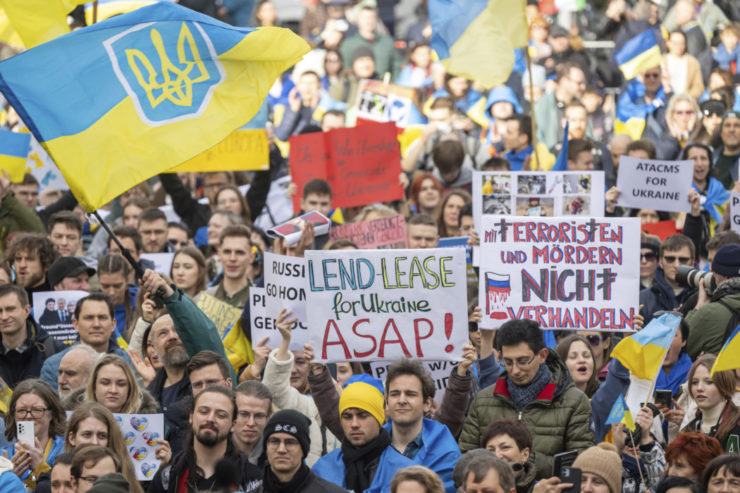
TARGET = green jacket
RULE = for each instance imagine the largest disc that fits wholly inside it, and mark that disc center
(558, 418)
(197, 332)
(387, 57)
(14, 216)
(707, 325)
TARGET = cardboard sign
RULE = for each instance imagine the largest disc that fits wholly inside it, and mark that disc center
(361, 164)
(653, 184)
(379, 102)
(374, 305)
(438, 370)
(263, 326)
(53, 311)
(141, 432)
(537, 194)
(564, 273)
(384, 232)
(162, 261)
(735, 211)
(241, 150)
(285, 286)
(292, 230)
(223, 315)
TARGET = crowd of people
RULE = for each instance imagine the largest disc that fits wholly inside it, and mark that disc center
(524, 411)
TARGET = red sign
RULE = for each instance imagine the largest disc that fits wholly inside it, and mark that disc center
(661, 229)
(361, 164)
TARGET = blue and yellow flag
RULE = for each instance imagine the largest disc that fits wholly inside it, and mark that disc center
(237, 346)
(120, 101)
(476, 39)
(729, 357)
(561, 163)
(110, 8)
(14, 149)
(620, 414)
(38, 21)
(643, 353)
(639, 54)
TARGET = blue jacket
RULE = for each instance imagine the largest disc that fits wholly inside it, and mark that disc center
(57, 447)
(331, 467)
(50, 370)
(617, 381)
(439, 451)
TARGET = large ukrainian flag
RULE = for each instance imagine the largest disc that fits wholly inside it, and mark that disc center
(643, 353)
(135, 95)
(476, 39)
(639, 54)
(14, 149)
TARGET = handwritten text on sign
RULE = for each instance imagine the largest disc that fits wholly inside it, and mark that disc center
(361, 164)
(378, 233)
(263, 326)
(369, 305)
(735, 211)
(285, 287)
(652, 184)
(563, 273)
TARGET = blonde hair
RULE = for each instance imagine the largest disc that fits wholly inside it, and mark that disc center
(133, 399)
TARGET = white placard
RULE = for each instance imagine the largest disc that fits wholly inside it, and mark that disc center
(564, 273)
(376, 305)
(735, 211)
(285, 286)
(263, 326)
(56, 318)
(140, 432)
(162, 261)
(654, 184)
(438, 370)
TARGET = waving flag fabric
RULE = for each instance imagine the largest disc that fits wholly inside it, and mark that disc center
(729, 357)
(120, 101)
(14, 149)
(38, 21)
(643, 353)
(639, 54)
(620, 414)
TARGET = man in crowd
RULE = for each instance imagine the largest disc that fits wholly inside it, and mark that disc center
(91, 462)
(518, 140)
(286, 444)
(532, 372)
(31, 255)
(365, 441)
(27, 191)
(178, 235)
(65, 232)
(69, 273)
(208, 443)
(254, 408)
(206, 369)
(24, 345)
(303, 101)
(487, 473)
(235, 254)
(727, 162)
(153, 230)
(75, 368)
(422, 232)
(549, 109)
(387, 57)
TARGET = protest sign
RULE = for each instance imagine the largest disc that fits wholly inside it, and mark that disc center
(221, 314)
(461, 242)
(361, 164)
(141, 432)
(438, 370)
(374, 305)
(162, 261)
(735, 211)
(292, 230)
(384, 232)
(53, 311)
(263, 326)
(285, 286)
(379, 102)
(654, 184)
(661, 229)
(564, 273)
(538, 194)
(241, 150)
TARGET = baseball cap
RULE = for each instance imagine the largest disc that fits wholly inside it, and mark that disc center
(64, 267)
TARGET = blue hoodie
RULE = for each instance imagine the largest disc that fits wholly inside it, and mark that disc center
(498, 95)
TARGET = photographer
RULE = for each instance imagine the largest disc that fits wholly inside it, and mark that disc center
(713, 319)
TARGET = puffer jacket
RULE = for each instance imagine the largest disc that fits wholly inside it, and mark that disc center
(149, 404)
(558, 418)
(707, 325)
(660, 296)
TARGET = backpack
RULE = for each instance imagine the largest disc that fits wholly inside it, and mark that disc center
(732, 322)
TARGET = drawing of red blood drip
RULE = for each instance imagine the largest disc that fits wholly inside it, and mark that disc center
(498, 290)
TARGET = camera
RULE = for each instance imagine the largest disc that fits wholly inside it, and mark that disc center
(689, 277)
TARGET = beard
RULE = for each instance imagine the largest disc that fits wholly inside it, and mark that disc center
(210, 437)
(176, 356)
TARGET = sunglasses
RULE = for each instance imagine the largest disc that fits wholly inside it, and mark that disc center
(648, 257)
(672, 258)
(594, 340)
(472, 326)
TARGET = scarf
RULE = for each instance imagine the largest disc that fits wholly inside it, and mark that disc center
(524, 395)
(357, 459)
(271, 484)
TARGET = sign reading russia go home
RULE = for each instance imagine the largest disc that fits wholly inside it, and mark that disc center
(652, 184)
(376, 305)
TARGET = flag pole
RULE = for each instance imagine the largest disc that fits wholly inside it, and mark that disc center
(95, 12)
(531, 110)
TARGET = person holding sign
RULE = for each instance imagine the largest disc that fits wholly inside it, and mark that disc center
(560, 421)
(365, 441)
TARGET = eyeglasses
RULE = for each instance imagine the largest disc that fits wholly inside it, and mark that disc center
(290, 443)
(35, 412)
(594, 340)
(245, 415)
(672, 258)
(521, 362)
(648, 257)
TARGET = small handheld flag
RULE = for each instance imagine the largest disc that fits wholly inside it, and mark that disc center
(620, 414)
(639, 54)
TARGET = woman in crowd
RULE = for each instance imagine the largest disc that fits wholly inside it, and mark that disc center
(92, 423)
(682, 117)
(579, 357)
(714, 195)
(34, 400)
(417, 73)
(113, 272)
(113, 384)
(425, 195)
(682, 68)
(218, 221)
(231, 199)
(447, 222)
(723, 474)
(601, 343)
(716, 413)
(333, 66)
(511, 442)
(689, 453)
(417, 479)
(188, 271)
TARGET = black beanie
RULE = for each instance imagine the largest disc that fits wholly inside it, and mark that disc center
(291, 422)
